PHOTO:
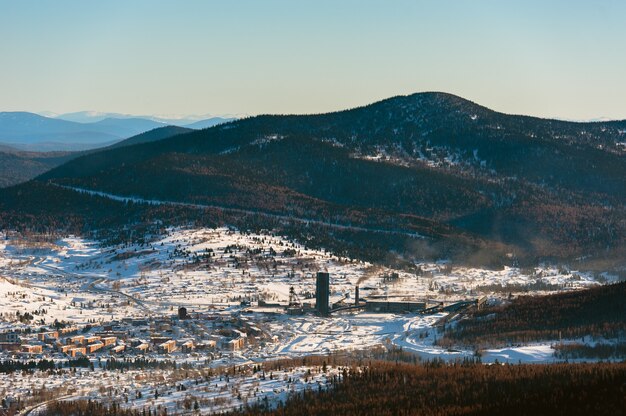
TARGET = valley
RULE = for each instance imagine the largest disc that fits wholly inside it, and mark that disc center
(235, 290)
(329, 208)
(249, 264)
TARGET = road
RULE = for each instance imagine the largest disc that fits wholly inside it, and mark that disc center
(279, 217)
(33, 410)
(93, 285)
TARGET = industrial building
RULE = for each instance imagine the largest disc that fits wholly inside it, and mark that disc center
(322, 293)
(375, 304)
(385, 306)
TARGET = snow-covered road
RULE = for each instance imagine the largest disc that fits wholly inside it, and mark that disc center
(305, 221)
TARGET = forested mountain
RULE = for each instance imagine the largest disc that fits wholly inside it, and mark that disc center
(17, 166)
(153, 135)
(209, 122)
(479, 184)
(599, 312)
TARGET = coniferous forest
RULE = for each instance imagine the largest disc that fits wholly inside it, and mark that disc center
(390, 389)
(437, 389)
(598, 312)
(542, 189)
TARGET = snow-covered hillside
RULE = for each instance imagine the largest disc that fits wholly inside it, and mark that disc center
(216, 269)
(228, 279)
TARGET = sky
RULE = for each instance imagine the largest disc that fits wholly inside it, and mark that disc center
(563, 59)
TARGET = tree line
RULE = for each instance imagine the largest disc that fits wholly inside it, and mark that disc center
(596, 312)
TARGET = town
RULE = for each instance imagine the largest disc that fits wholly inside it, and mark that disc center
(208, 333)
(218, 299)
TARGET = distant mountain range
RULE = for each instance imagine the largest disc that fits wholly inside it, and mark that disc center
(479, 186)
(33, 132)
(95, 116)
(17, 166)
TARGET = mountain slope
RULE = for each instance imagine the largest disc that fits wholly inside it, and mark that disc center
(209, 122)
(18, 166)
(501, 185)
(159, 133)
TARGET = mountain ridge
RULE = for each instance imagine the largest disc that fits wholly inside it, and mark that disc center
(86, 117)
(32, 132)
(19, 165)
(532, 187)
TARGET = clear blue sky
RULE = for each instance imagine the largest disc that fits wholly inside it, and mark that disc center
(547, 58)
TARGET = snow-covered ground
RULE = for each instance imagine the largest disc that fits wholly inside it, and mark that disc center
(212, 271)
(201, 268)
(215, 269)
(175, 390)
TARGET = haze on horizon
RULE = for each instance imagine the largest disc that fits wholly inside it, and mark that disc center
(563, 59)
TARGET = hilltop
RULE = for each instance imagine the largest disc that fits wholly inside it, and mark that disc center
(479, 185)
